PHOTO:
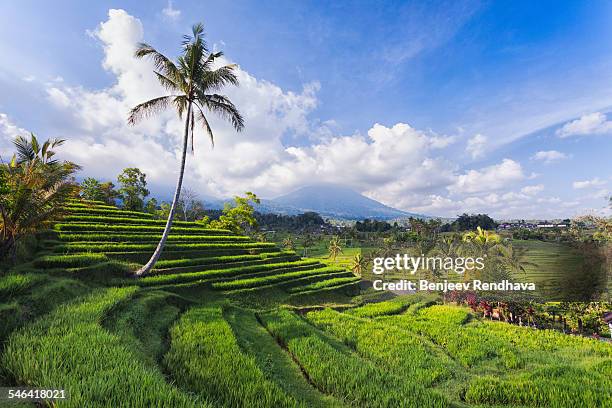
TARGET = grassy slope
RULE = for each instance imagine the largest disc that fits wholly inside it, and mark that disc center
(181, 343)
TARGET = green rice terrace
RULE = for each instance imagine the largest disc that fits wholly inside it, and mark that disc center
(224, 321)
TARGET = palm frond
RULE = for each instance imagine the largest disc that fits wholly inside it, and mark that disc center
(148, 108)
(222, 106)
(205, 124)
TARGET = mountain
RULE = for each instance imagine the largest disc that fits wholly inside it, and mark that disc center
(334, 201)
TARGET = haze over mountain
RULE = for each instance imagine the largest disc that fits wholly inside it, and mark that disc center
(332, 200)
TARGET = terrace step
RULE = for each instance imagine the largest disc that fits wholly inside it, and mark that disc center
(222, 265)
(144, 238)
(87, 219)
(109, 247)
(143, 256)
(330, 281)
(230, 274)
(76, 210)
(81, 227)
(249, 283)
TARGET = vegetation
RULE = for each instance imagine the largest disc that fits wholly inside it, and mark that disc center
(192, 82)
(34, 187)
(133, 189)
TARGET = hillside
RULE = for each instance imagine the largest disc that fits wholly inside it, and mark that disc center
(227, 322)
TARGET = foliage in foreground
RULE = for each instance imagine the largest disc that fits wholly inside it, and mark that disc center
(71, 349)
(205, 357)
(343, 374)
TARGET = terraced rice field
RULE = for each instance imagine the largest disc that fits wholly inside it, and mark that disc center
(227, 322)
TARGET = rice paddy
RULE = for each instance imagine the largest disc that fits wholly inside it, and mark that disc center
(225, 321)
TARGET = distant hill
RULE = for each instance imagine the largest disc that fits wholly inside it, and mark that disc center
(334, 201)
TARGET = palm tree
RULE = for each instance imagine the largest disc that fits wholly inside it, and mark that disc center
(289, 243)
(358, 265)
(334, 248)
(482, 237)
(33, 189)
(192, 83)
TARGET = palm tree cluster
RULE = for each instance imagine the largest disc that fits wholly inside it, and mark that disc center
(34, 186)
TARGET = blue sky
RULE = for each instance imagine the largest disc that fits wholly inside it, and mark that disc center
(435, 107)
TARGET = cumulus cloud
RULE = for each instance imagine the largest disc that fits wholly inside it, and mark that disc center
(532, 190)
(170, 12)
(476, 146)
(549, 156)
(591, 124)
(595, 182)
(8, 132)
(495, 177)
(394, 163)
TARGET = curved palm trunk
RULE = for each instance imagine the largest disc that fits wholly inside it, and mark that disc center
(160, 246)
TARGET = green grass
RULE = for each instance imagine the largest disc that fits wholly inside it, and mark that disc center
(276, 365)
(69, 261)
(324, 284)
(411, 357)
(271, 279)
(222, 273)
(77, 210)
(107, 247)
(173, 263)
(337, 371)
(134, 228)
(390, 307)
(70, 349)
(207, 328)
(98, 237)
(205, 358)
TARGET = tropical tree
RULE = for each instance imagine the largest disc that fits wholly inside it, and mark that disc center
(289, 243)
(110, 194)
(358, 265)
(91, 189)
(33, 190)
(334, 248)
(239, 217)
(133, 191)
(192, 84)
(482, 237)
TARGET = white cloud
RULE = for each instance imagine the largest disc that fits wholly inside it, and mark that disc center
(596, 182)
(591, 124)
(170, 12)
(396, 164)
(549, 156)
(8, 132)
(532, 190)
(490, 178)
(476, 146)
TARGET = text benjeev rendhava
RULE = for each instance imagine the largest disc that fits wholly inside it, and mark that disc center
(446, 286)
(412, 264)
